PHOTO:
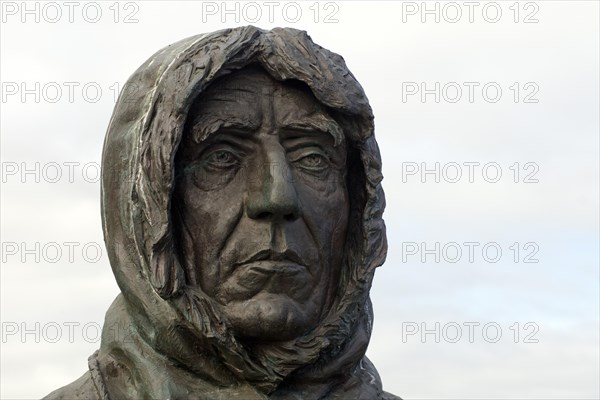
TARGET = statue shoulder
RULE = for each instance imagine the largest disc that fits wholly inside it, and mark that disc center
(81, 389)
(389, 396)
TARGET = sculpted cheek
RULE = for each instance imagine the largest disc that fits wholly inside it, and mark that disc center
(325, 211)
(322, 192)
(219, 202)
(208, 217)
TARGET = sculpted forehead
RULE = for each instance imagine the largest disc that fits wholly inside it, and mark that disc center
(251, 98)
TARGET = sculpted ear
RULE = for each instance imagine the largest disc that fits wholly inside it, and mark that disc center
(166, 273)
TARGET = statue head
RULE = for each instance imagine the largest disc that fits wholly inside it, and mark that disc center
(242, 214)
(261, 203)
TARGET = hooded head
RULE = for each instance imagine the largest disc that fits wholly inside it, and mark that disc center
(242, 212)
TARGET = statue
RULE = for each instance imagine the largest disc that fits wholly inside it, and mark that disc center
(242, 213)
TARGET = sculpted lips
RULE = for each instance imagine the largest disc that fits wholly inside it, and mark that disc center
(270, 255)
(273, 267)
(267, 271)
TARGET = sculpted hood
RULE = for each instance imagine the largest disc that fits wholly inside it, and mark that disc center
(161, 340)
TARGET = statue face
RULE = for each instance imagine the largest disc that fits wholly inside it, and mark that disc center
(261, 204)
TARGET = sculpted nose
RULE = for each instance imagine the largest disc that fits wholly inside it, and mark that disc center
(272, 194)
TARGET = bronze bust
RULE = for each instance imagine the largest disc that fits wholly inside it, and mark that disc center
(242, 213)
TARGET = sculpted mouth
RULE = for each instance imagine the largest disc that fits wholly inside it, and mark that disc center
(267, 271)
(267, 267)
(270, 257)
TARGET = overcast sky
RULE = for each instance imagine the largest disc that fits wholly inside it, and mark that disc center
(487, 119)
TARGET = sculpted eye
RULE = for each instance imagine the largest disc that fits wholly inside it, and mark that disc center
(313, 162)
(221, 159)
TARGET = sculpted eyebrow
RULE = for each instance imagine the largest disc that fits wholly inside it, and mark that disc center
(321, 124)
(204, 127)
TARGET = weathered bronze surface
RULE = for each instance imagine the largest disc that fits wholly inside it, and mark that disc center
(242, 213)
